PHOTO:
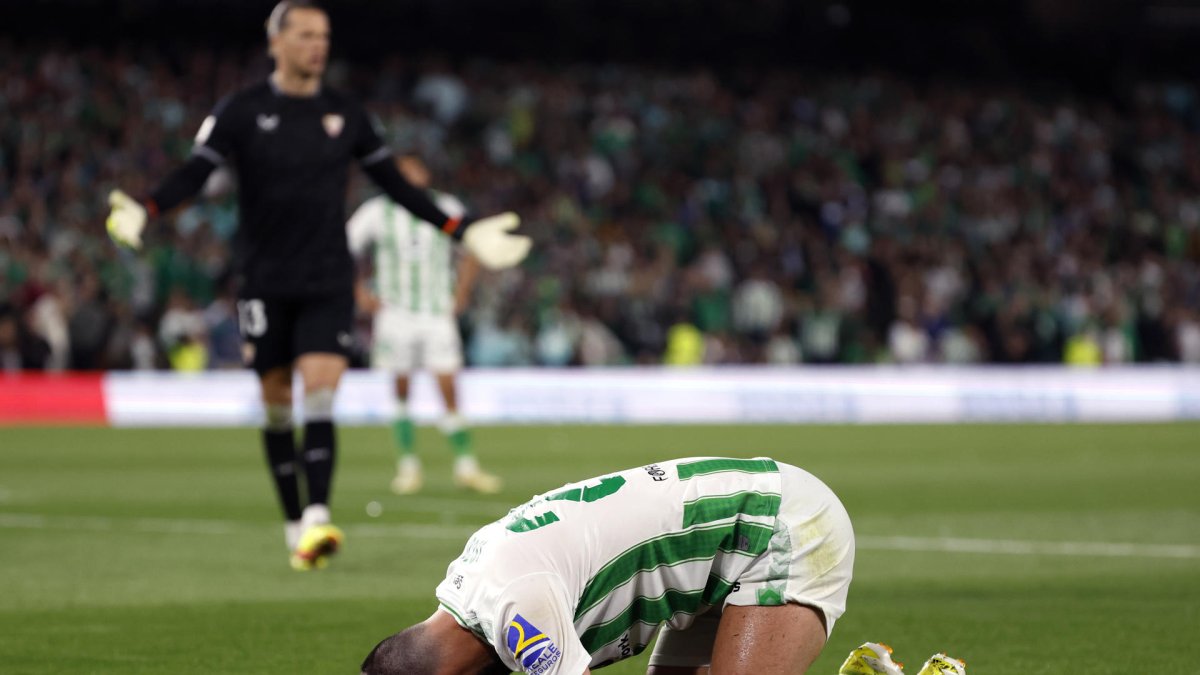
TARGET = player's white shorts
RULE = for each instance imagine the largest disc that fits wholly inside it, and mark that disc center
(405, 342)
(809, 561)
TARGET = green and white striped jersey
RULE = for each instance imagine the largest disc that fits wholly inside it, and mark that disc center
(584, 575)
(414, 261)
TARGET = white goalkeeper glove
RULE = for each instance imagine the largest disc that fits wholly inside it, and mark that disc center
(488, 239)
(127, 219)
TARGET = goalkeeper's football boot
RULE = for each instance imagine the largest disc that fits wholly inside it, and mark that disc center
(317, 545)
(319, 541)
(467, 474)
(940, 664)
(872, 658)
(409, 477)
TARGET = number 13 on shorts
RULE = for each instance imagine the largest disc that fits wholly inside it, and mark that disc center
(252, 318)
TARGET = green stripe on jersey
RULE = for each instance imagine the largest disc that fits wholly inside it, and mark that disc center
(716, 590)
(650, 611)
(706, 466)
(701, 543)
(653, 611)
(711, 509)
(392, 267)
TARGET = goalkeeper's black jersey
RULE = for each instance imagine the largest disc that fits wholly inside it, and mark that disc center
(291, 156)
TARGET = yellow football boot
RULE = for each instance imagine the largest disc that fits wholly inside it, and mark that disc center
(940, 664)
(317, 545)
(872, 658)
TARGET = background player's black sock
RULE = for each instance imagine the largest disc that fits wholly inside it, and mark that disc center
(281, 458)
(319, 452)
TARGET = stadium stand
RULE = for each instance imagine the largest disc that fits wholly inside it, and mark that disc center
(767, 217)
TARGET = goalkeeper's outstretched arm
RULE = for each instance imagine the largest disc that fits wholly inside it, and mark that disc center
(384, 173)
(488, 239)
(128, 216)
(182, 184)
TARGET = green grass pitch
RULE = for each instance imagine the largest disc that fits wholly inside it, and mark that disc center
(160, 550)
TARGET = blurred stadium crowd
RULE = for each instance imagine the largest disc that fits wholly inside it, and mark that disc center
(680, 216)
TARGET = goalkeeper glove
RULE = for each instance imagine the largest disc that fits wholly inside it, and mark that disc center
(488, 239)
(127, 219)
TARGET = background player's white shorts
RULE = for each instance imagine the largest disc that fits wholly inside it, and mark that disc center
(406, 342)
(809, 561)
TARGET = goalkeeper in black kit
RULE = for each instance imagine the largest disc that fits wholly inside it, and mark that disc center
(290, 141)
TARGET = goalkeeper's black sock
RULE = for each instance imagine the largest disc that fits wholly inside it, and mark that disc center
(319, 451)
(320, 444)
(281, 459)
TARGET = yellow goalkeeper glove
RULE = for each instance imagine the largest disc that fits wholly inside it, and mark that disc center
(127, 219)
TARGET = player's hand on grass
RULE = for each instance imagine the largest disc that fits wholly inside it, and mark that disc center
(490, 240)
(127, 219)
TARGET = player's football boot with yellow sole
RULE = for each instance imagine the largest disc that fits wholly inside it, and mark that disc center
(940, 664)
(872, 658)
(317, 545)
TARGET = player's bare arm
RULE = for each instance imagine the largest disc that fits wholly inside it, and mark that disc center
(367, 301)
(467, 274)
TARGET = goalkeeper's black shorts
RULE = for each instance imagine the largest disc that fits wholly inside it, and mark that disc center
(275, 331)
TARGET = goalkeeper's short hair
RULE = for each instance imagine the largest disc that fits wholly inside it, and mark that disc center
(278, 19)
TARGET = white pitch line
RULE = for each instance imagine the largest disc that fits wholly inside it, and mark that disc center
(1024, 547)
(419, 531)
(34, 521)
(447, 505)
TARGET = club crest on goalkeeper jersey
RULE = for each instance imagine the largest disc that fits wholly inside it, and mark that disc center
(583, 575)
(292, 173)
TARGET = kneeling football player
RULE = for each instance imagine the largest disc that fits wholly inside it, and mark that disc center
(745, 563)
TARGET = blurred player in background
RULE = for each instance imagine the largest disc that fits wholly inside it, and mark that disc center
(416, 299)
(290, 142)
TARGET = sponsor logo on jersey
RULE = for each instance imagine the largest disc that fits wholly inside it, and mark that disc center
(333, 125)
(268, 123)
(536, 652)
(656, 473)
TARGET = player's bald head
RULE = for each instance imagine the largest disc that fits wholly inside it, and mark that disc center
(408, 652)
